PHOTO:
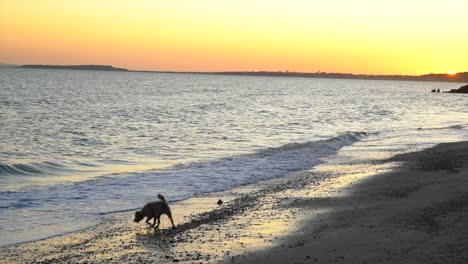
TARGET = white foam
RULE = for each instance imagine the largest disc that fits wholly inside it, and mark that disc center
(67, 207)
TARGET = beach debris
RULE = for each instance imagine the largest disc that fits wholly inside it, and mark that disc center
(220, 202)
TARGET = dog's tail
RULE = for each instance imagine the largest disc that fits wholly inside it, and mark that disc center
(162, 199)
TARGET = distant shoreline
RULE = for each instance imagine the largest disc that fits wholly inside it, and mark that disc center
(461, 77)
(73, 67)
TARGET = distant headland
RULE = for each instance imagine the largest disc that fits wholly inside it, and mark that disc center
(432, 77)
(74, 67)
(6, 65)
(461, 77)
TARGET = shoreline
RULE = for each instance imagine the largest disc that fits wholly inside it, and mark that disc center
(283, 219)
(82, 203)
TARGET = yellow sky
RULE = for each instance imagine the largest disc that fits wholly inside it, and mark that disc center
(357, 36)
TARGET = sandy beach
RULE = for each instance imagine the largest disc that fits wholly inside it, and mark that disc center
(411, 208)
(265, 131)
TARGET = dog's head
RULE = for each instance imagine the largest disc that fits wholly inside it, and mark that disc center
(138, 217)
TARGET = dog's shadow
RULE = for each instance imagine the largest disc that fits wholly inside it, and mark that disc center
(155, 237)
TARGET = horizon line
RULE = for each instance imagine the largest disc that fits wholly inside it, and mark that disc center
(10, 65)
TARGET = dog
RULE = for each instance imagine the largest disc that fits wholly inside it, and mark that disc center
(154, 211)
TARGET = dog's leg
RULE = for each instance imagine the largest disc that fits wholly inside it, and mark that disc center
(154, 222)
(169, 214)
(159, 221)
(147, 220)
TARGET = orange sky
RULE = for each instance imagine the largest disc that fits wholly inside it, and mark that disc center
(357, 36)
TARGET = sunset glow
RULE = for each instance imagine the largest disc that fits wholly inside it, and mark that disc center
(357, 36)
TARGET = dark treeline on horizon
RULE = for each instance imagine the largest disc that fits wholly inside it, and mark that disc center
(74, 67)
(432, 77)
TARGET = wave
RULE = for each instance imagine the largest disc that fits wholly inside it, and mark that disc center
(456, 127)
(264, 164)
(335, 142)
(38, 168)
(86, 201)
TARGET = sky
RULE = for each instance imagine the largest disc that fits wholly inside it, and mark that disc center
(347, 36)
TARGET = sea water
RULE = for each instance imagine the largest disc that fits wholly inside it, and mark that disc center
(78, 144)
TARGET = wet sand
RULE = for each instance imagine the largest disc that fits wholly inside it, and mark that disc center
(411, 208)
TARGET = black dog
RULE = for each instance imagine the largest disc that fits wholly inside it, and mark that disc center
(154, 210)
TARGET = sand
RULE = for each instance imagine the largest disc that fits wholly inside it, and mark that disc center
(412, 208)
(415, 214)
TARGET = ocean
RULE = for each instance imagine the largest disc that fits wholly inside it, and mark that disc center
(75, 145)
